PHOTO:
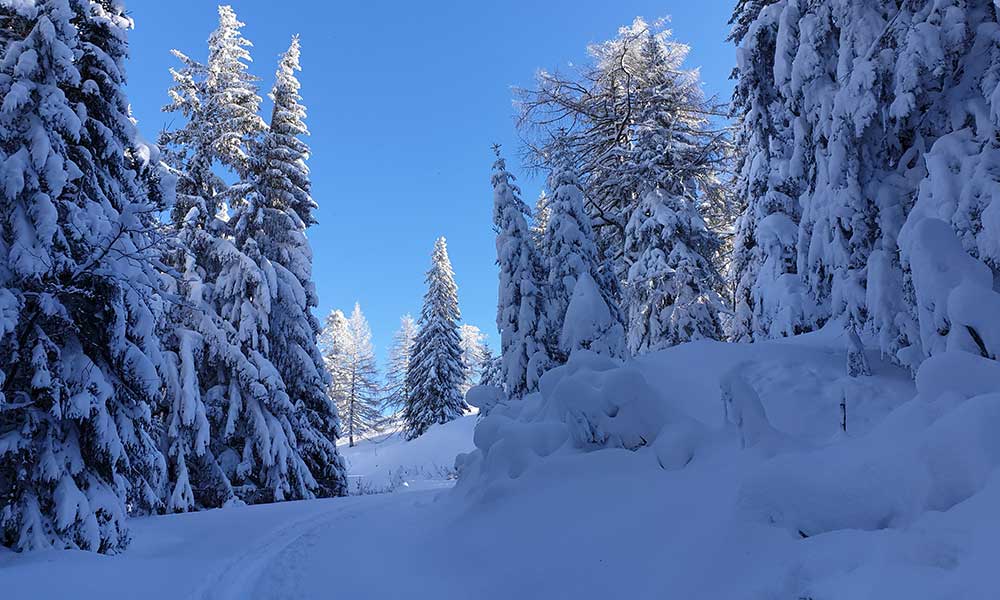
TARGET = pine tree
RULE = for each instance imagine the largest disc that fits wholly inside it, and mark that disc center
(275, 217)
(572, 253)
(397, 389)
(350, 360)
(520, 299)
(80, 347)
(436, 370)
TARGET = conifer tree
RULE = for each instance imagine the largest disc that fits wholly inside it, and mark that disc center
(540, 222)
(78, 314)
(571, 253)
(593, 118)
(473, 344)
(670, 288)
(436, 370)
(397, 389)
(350, 359)
(229, 282)
(520, 299)
(275, 216)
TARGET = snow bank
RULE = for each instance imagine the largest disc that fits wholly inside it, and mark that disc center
(893, 507)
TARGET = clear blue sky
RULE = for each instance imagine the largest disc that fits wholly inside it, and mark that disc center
(405, 99)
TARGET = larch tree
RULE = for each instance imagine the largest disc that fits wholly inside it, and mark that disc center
(397, 386)
(77, 300)
(473, 343)
(670, 290)
(520, 297)
(354, 373)
(436, 370)
(592, 113)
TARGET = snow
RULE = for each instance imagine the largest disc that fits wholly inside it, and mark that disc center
(901, 505)
(387, 462)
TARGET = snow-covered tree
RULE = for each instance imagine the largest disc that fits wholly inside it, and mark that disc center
(540, 221)
(491, 369)
(473, 343)
(274, 217)
(436, 369)
(571, 254)
(671, 283)
(520, 299)
(79, 352)
(397, 389)
(350, 360)
(596, 113)
(860, 121)
(232, 282)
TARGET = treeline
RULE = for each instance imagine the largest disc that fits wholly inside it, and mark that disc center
(432, 363)
(158, 350)
(854, 187)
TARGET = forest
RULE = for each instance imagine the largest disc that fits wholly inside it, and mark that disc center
(774, 316)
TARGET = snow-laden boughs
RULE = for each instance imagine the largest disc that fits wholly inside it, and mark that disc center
(768, 289)
(520, 300)
(859, 121)
(245, 281)
(671, 287)
(571, 256)
(274, 217)
(436, 368)
(670, 290)
(78, 305)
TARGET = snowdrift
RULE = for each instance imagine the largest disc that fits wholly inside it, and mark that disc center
(820, 485)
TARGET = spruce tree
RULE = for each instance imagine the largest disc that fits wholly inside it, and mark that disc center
(80, 347)
(670, 288)
(275, 216)
(436, 370)
(572, 253)
(229, 282)
(520, 299)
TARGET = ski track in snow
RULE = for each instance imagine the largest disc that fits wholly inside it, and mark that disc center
(237, 577)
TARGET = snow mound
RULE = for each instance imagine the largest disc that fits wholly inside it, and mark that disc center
(591, 403)
(743, 460)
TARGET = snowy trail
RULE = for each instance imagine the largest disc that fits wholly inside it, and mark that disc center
(278, 565)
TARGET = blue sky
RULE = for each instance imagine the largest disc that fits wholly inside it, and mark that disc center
(405, 99)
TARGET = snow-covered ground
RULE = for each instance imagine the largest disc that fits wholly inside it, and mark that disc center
(387, 462)
(772, 502)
